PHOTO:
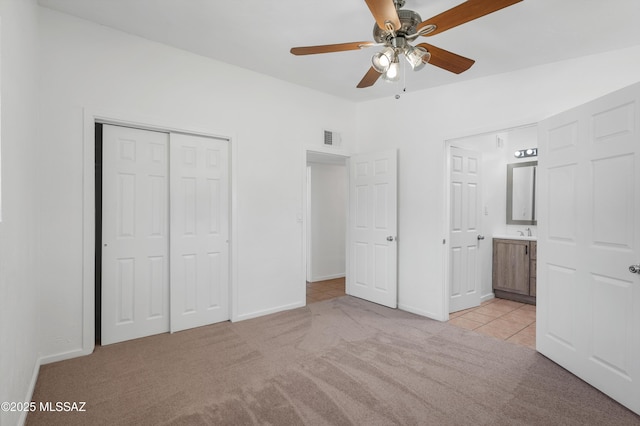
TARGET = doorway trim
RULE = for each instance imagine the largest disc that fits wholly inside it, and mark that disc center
(122, 118)
(447, 142)
(306, 238)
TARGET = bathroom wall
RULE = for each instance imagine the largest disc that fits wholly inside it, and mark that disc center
(516, 140)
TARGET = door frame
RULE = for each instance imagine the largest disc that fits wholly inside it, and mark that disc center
(305, 219)
(447, 142)
(129, 119)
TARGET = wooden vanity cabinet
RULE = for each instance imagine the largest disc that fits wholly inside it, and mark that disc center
(514, 269)
(533, 254)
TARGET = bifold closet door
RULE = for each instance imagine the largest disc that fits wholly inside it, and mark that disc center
(135, 234)
(199, 188)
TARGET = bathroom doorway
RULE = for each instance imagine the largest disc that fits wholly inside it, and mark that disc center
(497, 150)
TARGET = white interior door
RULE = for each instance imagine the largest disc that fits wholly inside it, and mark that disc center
(464, 190)
(373, 227)
(588, 301)
(199, 188)
(135, 295)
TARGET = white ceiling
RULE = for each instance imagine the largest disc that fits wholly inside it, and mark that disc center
(257, 35)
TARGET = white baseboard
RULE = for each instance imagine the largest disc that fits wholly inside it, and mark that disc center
(64, 356)
(327, 277)
(487, 297)
(32, 387)
(257, 314)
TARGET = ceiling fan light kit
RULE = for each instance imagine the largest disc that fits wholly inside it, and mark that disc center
(383, 59)
(417, 57)
(396, 27)
(393, 73)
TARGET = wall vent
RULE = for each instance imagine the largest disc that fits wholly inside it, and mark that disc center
(331, 138)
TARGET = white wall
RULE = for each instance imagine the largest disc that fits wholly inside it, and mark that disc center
(468, 108)
(86, 66)
(19, 336)
(328, 205)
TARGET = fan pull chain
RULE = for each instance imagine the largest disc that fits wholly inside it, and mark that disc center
(404, 80)
(404, 77)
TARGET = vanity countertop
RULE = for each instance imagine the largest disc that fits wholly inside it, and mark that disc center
(516, 237)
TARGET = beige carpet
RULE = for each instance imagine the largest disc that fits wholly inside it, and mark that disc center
(338, 362)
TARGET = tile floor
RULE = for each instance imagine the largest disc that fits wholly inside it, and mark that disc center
(323, 290)
(512, 321)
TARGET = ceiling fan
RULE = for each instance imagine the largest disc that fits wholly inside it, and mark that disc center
(396, 27)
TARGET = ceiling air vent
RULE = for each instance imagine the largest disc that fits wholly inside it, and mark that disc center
(331, 138)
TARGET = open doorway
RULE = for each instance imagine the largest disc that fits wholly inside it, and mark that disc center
(326, 225)
(496, 150)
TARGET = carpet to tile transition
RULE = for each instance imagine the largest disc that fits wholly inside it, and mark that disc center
(340, 362)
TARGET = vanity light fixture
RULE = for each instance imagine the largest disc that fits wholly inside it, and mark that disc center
(524, 153)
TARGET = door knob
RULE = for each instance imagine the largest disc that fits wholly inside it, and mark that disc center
(634, 269)
(481, 237)
(390, 238)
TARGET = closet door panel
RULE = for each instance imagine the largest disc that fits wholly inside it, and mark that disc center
(135, 234)
(199, 192)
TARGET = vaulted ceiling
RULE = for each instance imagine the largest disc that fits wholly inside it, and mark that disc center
(257, 35)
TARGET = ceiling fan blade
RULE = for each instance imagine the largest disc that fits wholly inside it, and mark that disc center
(384, 11)
(464, 12)
(329, 48)
(369, 78)
(447, 60)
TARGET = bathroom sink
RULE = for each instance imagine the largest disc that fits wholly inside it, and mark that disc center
(516, 237)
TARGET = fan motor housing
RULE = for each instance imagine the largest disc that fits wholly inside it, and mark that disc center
(408, 22)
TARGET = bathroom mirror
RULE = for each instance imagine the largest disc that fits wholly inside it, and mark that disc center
(521, 193)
